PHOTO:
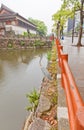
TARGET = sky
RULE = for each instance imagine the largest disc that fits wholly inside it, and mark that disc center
(36, 9)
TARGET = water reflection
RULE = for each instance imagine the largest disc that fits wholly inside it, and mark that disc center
(19, 74)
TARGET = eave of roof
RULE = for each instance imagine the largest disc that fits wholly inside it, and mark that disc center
(6, 8)
(7, 16)
(25, 19)
(14, 15)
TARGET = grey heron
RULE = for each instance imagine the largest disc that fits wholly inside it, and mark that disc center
(44, 70)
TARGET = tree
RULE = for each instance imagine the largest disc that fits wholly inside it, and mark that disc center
(68, 9)
(81, 23)
(60, 18)
(41, 27)
(76, 5)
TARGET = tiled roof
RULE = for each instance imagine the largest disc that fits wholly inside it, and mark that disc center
(6, 8)
(13, 15)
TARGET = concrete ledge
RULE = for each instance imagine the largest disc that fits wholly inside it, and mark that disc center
(63, 124)
(62, 111)
(39, 124)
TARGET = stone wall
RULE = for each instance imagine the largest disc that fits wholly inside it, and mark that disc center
(22, 42)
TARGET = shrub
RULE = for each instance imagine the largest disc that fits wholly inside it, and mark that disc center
(49, 55)
(33, 98)
(10, 45)
(22, 43)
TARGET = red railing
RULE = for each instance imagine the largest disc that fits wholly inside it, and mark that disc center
(74, 101)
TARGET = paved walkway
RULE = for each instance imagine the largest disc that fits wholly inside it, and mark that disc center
(76, 63)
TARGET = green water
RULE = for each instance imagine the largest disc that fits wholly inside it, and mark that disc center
(19, 74)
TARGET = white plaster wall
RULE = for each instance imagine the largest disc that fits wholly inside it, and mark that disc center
(16, 29)
(32, 31)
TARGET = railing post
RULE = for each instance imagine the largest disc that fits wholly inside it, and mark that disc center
(57, 41)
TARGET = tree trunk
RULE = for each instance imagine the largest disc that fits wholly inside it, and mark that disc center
(62, 31)
(73, 29)
(58, 30)
(81, 24)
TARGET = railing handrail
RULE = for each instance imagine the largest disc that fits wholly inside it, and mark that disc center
(73, 85)
(74, 100)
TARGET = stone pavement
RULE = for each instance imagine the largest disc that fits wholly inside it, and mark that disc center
(76, 61)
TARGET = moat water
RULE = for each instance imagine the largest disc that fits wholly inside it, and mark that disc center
(20, 73)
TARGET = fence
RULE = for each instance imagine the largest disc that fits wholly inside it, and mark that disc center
(74, 101)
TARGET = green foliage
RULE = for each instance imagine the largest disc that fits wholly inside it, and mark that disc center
(22, 43)
(76, 5)
(10, 45)
(49, 55)
(66, 11)
(38, 43)
(41, 27)
(62, 16)
(31, 35)
(52, 42)
(33, 98)
(54, 99)
(42, 43)
(71, 4)
(25, 34)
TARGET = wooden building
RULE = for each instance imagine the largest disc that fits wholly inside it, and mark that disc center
(12, 21)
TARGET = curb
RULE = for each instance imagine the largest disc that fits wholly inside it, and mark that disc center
(62, 111)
